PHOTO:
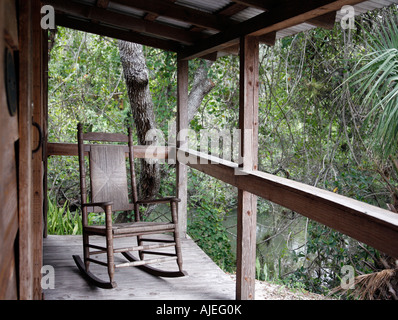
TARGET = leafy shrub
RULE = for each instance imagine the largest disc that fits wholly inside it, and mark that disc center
(209, 233)
(61, 221)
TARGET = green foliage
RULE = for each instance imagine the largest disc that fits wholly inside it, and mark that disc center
(327, 251)
(261, 272)
(162, 72)
(376, 82)
(208, 203)
(61, 221)
(86, 84)
(209, 233)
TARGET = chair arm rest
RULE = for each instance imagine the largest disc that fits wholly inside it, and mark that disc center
(107, 207)
(103, 205)
(161, 200)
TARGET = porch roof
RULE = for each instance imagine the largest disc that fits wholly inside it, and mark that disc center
(203, 28)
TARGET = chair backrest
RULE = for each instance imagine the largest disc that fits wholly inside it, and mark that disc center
(108, 176)
(107, 170)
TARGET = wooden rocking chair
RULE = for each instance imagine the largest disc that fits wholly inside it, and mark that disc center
(109, 193)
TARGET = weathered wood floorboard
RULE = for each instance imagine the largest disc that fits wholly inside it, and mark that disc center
(205, 279)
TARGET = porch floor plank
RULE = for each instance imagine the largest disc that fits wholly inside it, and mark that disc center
(205, 280)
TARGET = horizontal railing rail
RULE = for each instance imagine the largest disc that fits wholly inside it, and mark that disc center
(141, 152)
(369, 224)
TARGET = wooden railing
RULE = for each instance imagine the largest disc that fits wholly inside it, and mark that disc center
(369, 224)
(140, 152)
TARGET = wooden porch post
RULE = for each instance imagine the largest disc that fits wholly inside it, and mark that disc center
(182, 123)
(247, 202)
(38, 160)
(26, 235)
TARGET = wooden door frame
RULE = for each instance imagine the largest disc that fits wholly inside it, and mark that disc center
(31, 174)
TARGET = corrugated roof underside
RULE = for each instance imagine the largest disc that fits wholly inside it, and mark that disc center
(209, 6)
(212, 7)
(358, 9)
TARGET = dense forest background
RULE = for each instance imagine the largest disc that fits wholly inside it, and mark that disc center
(319, 124)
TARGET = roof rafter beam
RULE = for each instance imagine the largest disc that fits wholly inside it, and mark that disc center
(102, 3)
(268, 38)
(325, 21)
(258, 4)
(232, 9)
(228, 11)
(180, 13)
(65, 21)
(124, 21)
(279, 18)
(153, 16)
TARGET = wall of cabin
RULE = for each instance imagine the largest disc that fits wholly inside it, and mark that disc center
(9, 145)
(21, 171)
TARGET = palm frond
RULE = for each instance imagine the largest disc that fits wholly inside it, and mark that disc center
(380, 285)
(375, 82)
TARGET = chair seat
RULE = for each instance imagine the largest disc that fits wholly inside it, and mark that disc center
(131, 228)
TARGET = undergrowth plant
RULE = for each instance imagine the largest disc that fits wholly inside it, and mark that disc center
(209, 233)
(61, 221)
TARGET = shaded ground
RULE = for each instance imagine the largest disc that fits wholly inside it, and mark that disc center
(270, 291)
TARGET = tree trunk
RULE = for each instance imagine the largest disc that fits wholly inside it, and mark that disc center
(137, 82)
(201, 86)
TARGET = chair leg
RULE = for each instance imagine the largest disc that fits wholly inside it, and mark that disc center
(86, 251)
(91, 278)
(110, 259)
(83, 266)
(139, 242)
(158, 272)
(109, 246)
(177, 236)
(178, 249)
